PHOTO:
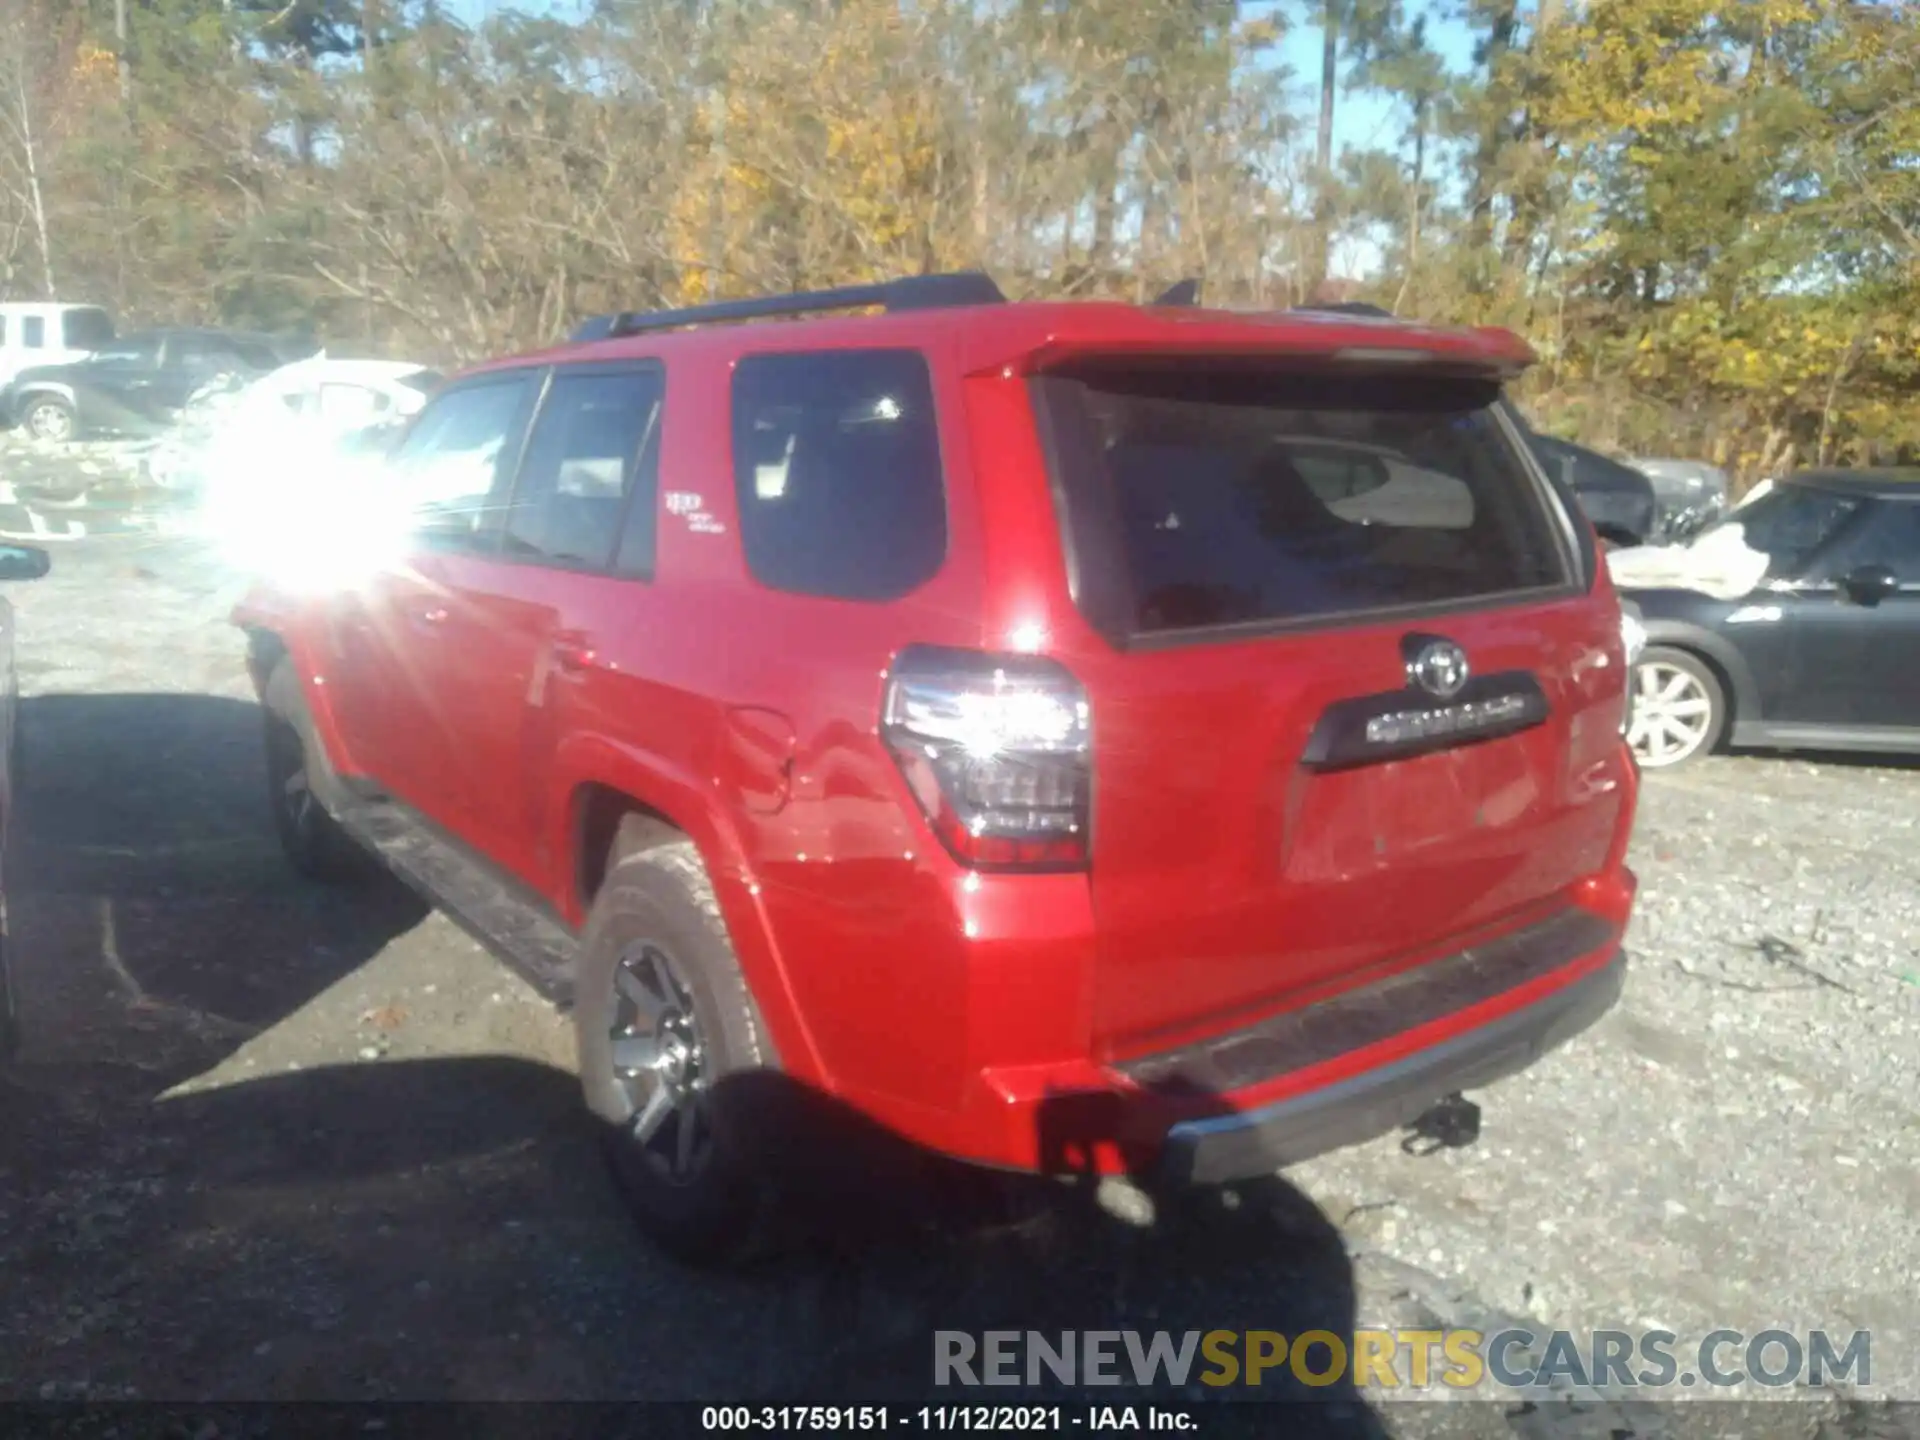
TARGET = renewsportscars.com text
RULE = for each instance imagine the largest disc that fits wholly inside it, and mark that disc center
(1401, 1359)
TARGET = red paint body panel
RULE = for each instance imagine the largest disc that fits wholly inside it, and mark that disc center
(1227, 883)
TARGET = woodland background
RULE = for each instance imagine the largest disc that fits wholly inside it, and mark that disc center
(1704, 213)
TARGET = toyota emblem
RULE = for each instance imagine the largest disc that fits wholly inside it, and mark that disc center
(1436, 666)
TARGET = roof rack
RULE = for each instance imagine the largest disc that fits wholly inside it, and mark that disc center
(911, 292)
(1349, 307)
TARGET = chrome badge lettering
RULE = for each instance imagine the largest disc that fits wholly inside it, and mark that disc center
(1403, 726)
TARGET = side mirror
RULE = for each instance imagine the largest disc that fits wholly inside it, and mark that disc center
(1869, 584)
(23, 562)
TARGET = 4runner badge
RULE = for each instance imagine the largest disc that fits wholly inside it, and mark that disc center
(692, 508)
(1436, 666)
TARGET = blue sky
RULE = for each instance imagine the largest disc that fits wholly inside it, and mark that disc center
(1361, 118)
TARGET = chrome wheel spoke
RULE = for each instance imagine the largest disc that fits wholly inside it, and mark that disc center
(633, 1054)
(657, 1058)
(653, 1114)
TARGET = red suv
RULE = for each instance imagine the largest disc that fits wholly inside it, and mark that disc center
(1097, 736)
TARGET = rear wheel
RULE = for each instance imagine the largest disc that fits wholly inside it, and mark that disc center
(48, 417)
(666, 1028)
(1679, 708)
(312, 840)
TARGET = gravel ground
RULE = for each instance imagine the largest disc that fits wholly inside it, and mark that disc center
(274, 1141)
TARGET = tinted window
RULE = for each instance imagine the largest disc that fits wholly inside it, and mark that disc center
(1231, 506)
(256, 354)
(582, 459)
(1790, 524)
(836, 460)
(85, 329)
(1889, 535)
(33, 332)
(454, 458)
(3, 330)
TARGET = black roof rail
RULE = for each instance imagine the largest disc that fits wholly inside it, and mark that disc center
(1349, 307)
(910, 292)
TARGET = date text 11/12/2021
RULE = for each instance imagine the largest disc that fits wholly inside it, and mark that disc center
(986, 1419)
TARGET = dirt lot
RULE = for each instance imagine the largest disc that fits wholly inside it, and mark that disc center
(274, 1141)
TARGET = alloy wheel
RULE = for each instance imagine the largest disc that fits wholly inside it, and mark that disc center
(50, 422)
(659, 1062)
(1672, 714)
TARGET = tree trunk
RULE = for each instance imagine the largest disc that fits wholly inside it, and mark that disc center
(121, 61)
(36, 200)
(1494, 125)
(1320, 252)
(1419, 181)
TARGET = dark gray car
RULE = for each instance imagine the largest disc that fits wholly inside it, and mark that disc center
(1820, 654)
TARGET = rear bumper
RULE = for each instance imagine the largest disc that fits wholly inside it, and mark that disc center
(1337, 1071)
(1379, 1101)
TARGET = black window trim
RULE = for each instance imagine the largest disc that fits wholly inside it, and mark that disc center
(1103, 592)
(926, 356)
(497, 521)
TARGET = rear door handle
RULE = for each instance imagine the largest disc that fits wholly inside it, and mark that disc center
(431, 616)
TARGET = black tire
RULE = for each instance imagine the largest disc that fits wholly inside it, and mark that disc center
(48, 417)
(312, 840)
(656, 913)
(1703, 675)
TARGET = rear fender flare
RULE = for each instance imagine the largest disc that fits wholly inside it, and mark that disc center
(677, 795)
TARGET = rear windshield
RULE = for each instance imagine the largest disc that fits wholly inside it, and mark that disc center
(1231, 495)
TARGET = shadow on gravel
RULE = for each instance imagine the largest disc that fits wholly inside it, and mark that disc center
(154, 924)
(444, 1229)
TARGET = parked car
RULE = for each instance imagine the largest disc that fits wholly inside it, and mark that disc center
(1810, 644)
(1683, 484)
(246, 433)
(17, 562)
(971, 713)
(1619, 500)
(1692, 495)
(48, 334)
(132, 384)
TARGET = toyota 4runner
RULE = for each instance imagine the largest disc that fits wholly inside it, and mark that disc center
(1069, 736)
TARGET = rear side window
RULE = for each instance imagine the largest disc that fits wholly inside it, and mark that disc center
(33, 332)
(85, 329)
(581, 462)
(836, 459)
(1235, 494)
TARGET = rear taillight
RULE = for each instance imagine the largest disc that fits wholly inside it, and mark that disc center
(996, 750)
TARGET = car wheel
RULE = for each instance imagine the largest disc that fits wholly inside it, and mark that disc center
(665, 1027)
(1679, 708)
(50, 418)
(312, 840)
